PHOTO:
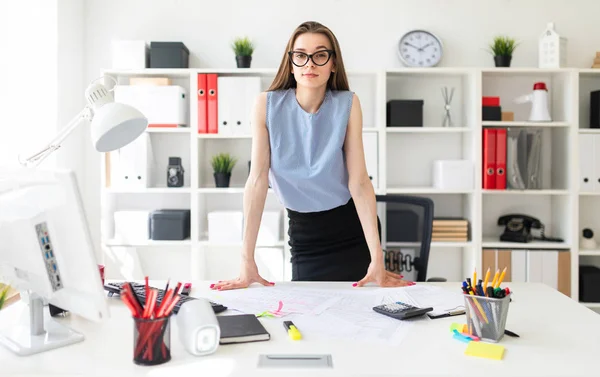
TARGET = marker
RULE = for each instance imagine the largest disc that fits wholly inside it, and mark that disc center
(292, 330)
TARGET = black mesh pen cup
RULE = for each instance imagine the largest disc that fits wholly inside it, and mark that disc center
(486, 316)
(151, 341)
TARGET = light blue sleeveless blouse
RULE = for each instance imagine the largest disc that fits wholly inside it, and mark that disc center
(308, 167)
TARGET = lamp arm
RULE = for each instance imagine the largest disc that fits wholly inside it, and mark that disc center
(55, 144)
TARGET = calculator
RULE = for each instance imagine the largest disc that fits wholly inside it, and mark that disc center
(401, 310)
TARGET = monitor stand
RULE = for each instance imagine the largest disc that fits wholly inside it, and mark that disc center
(39, 335)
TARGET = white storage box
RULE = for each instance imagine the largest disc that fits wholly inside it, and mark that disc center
(131, 226)
(133, 164)
(453, 174)
(270, 228)
(225, 226)
(163, 105)
(130, 55)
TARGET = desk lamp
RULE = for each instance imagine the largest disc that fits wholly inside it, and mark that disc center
(113, 124)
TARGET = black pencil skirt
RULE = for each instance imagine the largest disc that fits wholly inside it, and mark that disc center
(328, 245)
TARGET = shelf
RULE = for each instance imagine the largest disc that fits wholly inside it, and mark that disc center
(403, 164)
(113, 242)
(488, 123)
(435, 244)
(168, 130)
(431, 70)
(219, 136)
(402, 130)
(426, 190)
(589, 71)
(186, 72)
(225, 190)
(593, 131)
(206, 243)
(590, 253)
(149, 190)
(524, 70)
(589, 193)
(495, 243)
(525, 192)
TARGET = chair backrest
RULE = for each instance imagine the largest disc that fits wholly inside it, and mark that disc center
(412, 219)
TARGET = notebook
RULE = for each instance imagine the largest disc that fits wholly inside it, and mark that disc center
(241, 328)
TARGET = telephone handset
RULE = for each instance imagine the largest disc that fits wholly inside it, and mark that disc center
(518, 229)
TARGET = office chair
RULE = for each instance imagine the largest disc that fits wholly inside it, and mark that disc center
(416, 226)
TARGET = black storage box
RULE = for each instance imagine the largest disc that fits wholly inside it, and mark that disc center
(491, 113)
(589, 284)
(169, 224)
(402, 226)
(404, 113)
(169, 55)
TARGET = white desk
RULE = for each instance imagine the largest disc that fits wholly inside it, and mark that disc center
(559, 337)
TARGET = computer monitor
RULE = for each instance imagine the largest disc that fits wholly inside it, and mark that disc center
(46, 251)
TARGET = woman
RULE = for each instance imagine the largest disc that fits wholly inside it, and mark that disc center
(307, 141)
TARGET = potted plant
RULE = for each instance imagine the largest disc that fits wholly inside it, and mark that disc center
(243, 49)
(502, 48)
(222, 165)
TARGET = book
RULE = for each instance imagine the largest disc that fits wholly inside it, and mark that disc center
(241, 328)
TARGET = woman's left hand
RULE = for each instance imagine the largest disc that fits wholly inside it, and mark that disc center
(379, 275)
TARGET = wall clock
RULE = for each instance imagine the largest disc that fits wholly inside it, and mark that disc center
(420, 48)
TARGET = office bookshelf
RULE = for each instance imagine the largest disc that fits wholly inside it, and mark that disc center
(402, 158)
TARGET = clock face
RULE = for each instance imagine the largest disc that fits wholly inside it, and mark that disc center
(419, 48)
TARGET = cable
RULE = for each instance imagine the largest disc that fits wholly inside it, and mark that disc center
(543, 237)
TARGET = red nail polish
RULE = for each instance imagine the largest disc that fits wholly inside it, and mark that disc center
(271, 283)
(219, 288)
(401, 276)
(212, 286)
(355, 284)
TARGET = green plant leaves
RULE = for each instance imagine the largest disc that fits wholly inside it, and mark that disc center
(242, 47)
(223, 163)
(503, 46)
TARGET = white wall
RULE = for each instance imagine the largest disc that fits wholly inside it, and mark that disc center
(367, 30)
(28, 62)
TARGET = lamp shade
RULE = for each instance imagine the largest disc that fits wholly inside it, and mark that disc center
(115, 125)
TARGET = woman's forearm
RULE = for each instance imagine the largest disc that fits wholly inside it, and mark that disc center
(363, 195)
(255, 193)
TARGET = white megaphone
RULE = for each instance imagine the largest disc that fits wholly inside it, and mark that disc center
(539, 103)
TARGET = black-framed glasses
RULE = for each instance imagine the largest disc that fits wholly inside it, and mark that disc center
(320, 58)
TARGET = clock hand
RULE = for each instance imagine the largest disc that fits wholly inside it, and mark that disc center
(408, 44)
(427, 45)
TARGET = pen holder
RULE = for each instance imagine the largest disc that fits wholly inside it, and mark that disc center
(486, 316)
(151, 341)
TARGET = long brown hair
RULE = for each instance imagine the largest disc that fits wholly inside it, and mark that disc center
(337, 80)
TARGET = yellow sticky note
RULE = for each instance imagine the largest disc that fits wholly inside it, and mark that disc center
(487, 350)
(456, 326)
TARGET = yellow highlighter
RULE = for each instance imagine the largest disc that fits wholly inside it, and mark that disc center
(292, 330)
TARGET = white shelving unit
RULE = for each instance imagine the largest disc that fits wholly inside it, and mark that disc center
(404, 159)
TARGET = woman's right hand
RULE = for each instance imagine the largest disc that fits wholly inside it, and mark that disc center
(248, 275)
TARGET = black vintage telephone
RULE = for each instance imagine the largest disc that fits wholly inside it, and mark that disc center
(518, 229)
